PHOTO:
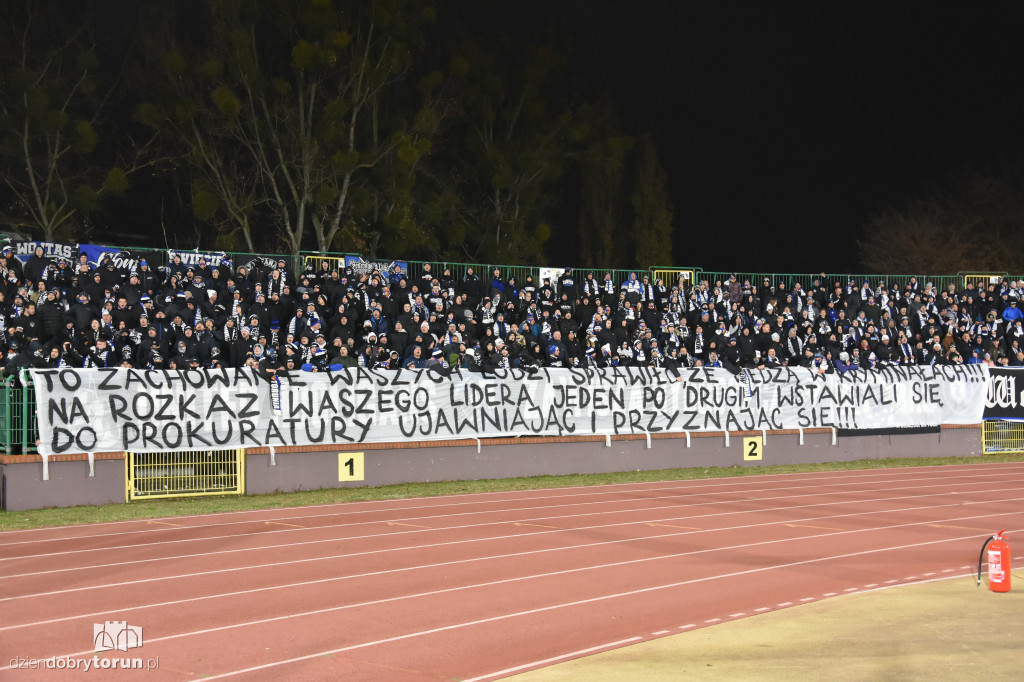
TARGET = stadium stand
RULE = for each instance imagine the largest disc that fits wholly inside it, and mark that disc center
(184, 310)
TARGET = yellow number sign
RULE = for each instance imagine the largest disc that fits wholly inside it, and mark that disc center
(753, 448)
(350, 466)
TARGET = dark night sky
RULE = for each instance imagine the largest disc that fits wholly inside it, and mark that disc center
(785, 126)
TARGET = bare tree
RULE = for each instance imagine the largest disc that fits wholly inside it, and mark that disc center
(652, 207)
(970, 226)
(283, 110)
(57, 165)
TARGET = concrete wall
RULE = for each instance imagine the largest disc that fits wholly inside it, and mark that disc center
(69, 486)
(504, 459)
(310, 469)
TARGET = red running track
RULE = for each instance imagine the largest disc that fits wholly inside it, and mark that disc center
(478, 587)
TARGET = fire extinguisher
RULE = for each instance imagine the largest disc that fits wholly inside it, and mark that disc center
(998, 563)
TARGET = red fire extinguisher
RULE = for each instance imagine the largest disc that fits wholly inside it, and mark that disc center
(998, 563)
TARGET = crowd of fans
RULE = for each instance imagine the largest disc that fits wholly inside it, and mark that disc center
(60, 314)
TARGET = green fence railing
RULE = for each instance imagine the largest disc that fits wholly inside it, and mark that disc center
(829, 280)
(19, 428)
(485, 271)
(28, 424)
(7, 437)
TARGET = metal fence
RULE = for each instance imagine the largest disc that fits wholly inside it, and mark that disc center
(485, 272)
(190, 473)
(27, 422)
(19, 428)
(981, 280)
(829, 280)
(6, 413)
(999, 436)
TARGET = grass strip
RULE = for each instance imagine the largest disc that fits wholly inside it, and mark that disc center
(151, 509)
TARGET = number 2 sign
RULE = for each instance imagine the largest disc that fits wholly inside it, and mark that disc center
(753, 448)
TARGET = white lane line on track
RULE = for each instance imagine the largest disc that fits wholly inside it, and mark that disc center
(612, 488)
(553, 659)
(299, 659)
(601, 647)
(473, 559)
(496, 618)
(608, 489)
(686, 486)
(447, 528)
(491, 523)
(122, 611)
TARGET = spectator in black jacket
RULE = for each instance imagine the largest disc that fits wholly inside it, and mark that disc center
(36, 265)
(51, 313)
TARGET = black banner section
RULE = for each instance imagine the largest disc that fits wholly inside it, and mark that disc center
(891, 431)
(1005, 399)
(125, 259)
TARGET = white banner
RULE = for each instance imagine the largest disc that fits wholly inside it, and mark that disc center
(192, 258)
(55, 251)
(110, 410)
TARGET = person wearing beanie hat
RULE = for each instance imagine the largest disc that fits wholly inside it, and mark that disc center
(415, 360)
(319, 359)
